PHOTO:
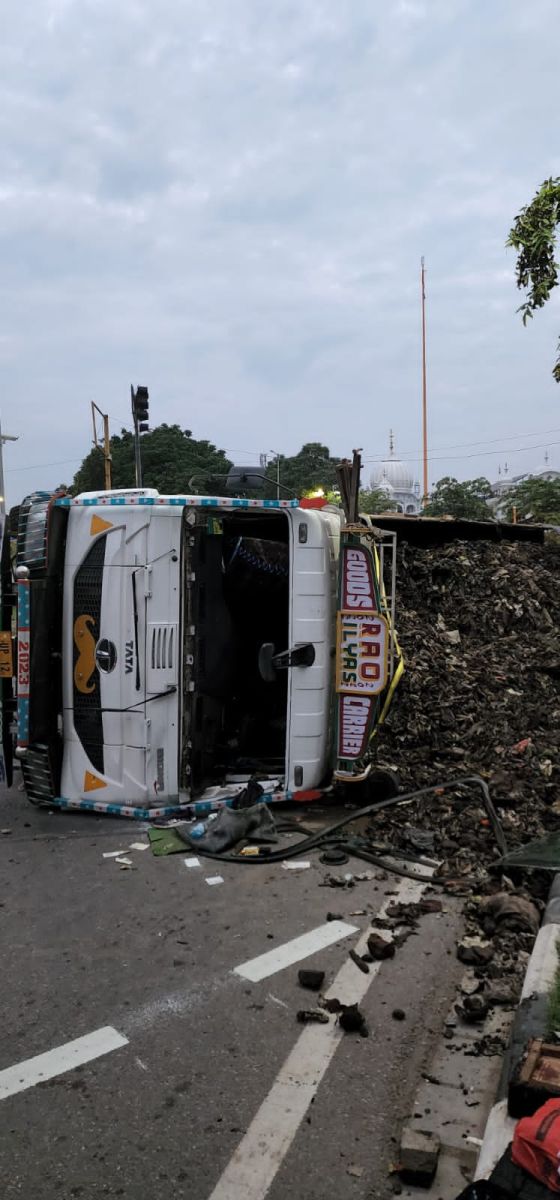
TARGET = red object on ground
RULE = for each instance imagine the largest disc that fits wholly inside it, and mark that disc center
(522, 746)
(536, 1145)
(310, 794)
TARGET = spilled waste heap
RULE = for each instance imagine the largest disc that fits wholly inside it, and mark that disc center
(479, 625)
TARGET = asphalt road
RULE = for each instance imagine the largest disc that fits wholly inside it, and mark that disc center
(217, 1093)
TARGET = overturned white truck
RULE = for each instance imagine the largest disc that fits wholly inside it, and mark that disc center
(169, 645)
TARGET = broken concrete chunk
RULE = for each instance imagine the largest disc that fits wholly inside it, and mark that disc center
(475, 950)
(311, 979)
(379, 947)
(473, 1010)
(418, 1156)
(470, 984)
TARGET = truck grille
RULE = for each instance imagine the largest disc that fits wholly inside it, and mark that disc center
(162, 641)
(88, 719)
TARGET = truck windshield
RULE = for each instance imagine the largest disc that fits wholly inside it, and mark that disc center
(238, 587)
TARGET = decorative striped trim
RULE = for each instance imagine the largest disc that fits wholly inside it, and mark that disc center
(120, 810)
(24, 651)
(173, 501)
(197, 808)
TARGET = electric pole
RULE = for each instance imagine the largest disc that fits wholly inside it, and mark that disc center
(424, 397)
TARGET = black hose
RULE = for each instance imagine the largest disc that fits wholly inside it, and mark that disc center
(310, 843)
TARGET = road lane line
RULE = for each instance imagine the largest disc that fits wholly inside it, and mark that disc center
(260, 1153)
(292, 952)
(56, 1062)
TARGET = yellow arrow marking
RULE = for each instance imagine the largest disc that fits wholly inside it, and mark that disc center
(92, 783)
(98, 525)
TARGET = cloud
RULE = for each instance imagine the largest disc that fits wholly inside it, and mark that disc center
(229, 203)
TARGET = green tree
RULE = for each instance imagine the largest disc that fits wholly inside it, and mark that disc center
(535, 499)
(170, 458)
(374, 500)
(312, 467)
(533, 235)
(453, 499)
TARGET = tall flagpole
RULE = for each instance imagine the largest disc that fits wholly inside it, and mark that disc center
(424, 400)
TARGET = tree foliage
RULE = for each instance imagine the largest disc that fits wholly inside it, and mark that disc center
(312, 467)
(535, 499)
(375, 500)
(170, 458)
(453, 499)
(533, 235)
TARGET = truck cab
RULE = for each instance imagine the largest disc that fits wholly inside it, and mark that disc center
(168, 645)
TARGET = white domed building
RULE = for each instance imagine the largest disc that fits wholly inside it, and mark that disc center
(393, 477)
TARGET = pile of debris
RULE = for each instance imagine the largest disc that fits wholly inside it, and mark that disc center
(479, 628)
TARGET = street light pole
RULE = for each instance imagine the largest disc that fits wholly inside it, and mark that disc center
(4, 437)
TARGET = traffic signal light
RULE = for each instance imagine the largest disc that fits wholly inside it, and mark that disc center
(140, 408)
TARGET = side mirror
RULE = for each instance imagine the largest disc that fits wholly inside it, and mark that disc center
(241, 479)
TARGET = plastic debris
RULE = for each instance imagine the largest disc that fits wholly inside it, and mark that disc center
(123, 861)
(248, 817)
(139, 846)
(213, 880)
(307, 1016)
(192, 862)
(113, 853)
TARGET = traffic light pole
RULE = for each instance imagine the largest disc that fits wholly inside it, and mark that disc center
(137, 456)
(138, 398)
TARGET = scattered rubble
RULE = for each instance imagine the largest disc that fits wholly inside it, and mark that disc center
(360, 962)
(418, 1156)
(313, 980)
(352, 1020)
(307, 1016)
(506, 911)
(379, 947)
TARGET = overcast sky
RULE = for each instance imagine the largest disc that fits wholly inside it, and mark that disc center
(228, 200)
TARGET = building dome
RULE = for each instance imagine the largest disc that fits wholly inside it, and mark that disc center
(392, 474)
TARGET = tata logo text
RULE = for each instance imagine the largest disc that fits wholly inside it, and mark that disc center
(128, 657)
